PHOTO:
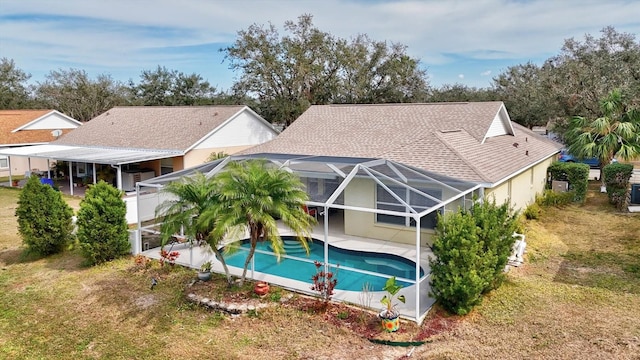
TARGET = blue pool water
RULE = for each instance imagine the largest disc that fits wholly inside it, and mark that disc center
(388, 264)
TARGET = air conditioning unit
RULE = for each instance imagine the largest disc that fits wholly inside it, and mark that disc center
(130, 178)
(560, 186)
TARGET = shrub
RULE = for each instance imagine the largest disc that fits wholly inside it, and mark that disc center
(616, 178)
(576, 174)
(495, 226)
(455, 279)
(102, 225)
(532, 212)
(471, 250)
(44, 218)
(552, 198)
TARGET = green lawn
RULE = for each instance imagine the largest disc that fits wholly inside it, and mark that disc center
(576, 297)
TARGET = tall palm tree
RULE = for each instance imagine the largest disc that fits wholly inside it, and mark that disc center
(615, 134)
(189, 198)
(253, 195)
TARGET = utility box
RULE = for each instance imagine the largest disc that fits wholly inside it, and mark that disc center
(560, 186)
(635, 193)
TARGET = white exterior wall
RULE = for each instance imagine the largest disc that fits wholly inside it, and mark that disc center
(522, 189)
(245, 129)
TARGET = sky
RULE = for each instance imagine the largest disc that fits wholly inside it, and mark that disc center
(458, 42)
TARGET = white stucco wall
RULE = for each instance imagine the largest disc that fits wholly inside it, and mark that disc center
(522, 189)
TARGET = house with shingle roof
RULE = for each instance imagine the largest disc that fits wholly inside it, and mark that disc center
(20, 128)
(133, 143)
(471, 142)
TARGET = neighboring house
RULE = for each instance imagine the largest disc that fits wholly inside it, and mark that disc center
(20, 128)
(133, 143)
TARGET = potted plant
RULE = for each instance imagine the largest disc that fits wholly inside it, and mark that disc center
(205, 271)
(389, 316)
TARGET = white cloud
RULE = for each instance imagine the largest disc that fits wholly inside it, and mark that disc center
(437, 32)
(460, 76)
(485, 73)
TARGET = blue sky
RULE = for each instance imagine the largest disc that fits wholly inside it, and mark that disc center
(467, 42)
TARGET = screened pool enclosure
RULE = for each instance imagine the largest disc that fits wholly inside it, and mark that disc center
(370, 207)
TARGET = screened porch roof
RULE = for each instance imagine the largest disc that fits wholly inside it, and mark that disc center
(417, 192)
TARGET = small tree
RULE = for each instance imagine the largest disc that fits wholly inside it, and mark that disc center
(102, 225)
(44, 218)
(495, 225)
(472, 249)
(456, 282)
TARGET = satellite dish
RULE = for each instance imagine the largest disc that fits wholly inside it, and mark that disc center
(56, 133)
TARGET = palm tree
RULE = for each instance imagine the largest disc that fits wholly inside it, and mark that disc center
(189, 198)
(615, 134)
(253, 195)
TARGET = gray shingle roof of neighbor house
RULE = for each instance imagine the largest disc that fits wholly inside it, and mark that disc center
(151, 127)
(447, 138)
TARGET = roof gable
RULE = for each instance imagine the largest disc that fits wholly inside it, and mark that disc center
(469, 141)
(176, 128)
(25, 127)
(501, 125)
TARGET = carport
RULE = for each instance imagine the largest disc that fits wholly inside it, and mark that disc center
(115, 157)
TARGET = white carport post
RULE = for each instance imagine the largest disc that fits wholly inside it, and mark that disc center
(9, 164)
(118, 176)
(71, 178)
(417, 218)
(48, 169)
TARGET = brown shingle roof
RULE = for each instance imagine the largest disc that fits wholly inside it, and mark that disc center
(151, 127)
(445, 138)
(13, 119)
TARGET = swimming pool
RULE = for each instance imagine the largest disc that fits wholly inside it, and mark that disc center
(348, 261)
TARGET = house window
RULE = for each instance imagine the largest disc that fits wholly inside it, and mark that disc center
(386, 201)
(4, 162)
(166, 166)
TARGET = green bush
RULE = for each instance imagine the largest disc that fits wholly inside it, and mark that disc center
(471, 250)
(102, 225)
(44, 218)
(552, 198)
(532, 212)
(455, 279)
(576, 174)
(616, 178)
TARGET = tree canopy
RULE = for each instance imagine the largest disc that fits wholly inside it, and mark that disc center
(171, 88)
(14, 91)
(308, 66)
(77, 95)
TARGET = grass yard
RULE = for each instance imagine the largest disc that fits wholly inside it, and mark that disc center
(576, 297)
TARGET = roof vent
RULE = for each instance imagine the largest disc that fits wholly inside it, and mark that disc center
(450, 131)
